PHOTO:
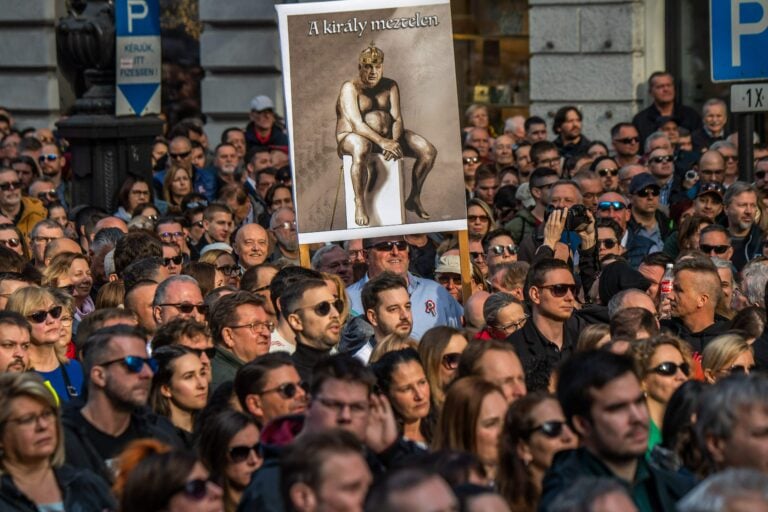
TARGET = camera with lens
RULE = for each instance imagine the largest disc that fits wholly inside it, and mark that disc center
(576, 220)
(691, 174)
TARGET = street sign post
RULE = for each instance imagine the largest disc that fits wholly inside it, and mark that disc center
(138, 57)
(749, 97)
(738, 40)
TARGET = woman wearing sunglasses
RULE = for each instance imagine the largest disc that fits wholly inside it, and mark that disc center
(34, 476)
(229, 449)
(440, 349)
(172, 258)
(664, 364)
(534, 431)
(471, 421)
(158, 479)
(726, 355)
(12, 238)
(227, 270)
(38, 306)
(179, 388)
(72, 273)
(400, 376)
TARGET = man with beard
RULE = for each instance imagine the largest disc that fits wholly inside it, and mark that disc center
(119, 374)
(226, 162)
(14, 342)
(332, 259)
(51, 166)
(604, 404)
(313, 314)
(282, 225)
(369, 121)
(25, 212)
(741, 210)
(567, 126)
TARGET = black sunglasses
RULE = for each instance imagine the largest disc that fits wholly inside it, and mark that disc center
(451, 361)
(229, 270)
(608, 243)
(661, 159)
(324, 308)
(477, 255)
(605, 172)
(718, 249)
(740, 368)
(288, 390)
(39, 317)
(210, 352)
(551, 429)
(607, 205)
(401, 245)
(628, 140)
(498, 250)
(180, 156)
(176, 260)
(648, 192)
(239, 454)
(134, 363)
(668, 369)
(560, 290)
(188, 308)
(11, 185)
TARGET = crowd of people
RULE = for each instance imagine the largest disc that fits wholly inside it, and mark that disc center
(173, 355)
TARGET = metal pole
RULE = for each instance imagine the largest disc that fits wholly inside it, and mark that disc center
(746, 127)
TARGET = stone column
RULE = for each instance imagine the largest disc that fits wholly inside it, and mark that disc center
(595, 54)
(240, 52)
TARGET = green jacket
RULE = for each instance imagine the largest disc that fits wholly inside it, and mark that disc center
(224, 367)
(522, 224)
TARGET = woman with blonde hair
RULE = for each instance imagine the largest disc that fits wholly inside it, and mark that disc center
(391, 343)
(471, 421)
(71, 272)
(34, 475)
(727, 354)
(663, 365)
(593, 336)
(227, 269)
(440, 350)
(339, 291)
(38, 306)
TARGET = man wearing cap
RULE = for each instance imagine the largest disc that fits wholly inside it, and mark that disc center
(261, 131)
(432, 304)
(448, 274)
(709, 200)
(369, 121)
(647, 227)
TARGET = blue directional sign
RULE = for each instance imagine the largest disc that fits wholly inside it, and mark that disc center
(739, 39)
(138, 57)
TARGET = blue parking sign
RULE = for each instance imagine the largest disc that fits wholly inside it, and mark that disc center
(138, 62)
(739, 39)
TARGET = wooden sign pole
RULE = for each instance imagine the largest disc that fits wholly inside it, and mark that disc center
(466, 266)
(304, 256)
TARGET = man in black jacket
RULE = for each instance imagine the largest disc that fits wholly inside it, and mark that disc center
(604, 404)
(119, 379)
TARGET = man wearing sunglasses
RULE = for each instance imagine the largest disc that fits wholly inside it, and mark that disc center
(51, 165)
(119, 379)
(715, 241)
(626, 143)
(180, 155)
(269, 387)
(661, 164)
(178, 296)
(499, 249)
(241, 331)
(432, 304)
(761, 174)
(741, 210)
(615, 207)
(695, 294)
(648, 227)
(604, 404)
(25, 212)
(609, 235)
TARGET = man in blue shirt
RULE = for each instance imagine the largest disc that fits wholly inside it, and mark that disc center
(431, 304)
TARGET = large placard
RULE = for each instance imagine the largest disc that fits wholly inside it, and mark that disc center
(373, 118)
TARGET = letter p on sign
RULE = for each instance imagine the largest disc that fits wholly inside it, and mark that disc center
(138, 10)
(750, 28)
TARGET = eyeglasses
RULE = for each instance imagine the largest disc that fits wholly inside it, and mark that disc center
(50, 194)
(445, 279)
(401, 245)
(39, 317)
(605, 172)
(355, 408)
(608, 243)
(477, 218)
(187, 308)
(470, 160)
(152, 218)
(560, 290)
(628, 140)
(551, 429)
(176, 260)
(180, 156)
(30, 420)
(731, 158)
(11, 242)
(649, 192)
(548, 162)
(66, 321)
(256, 326)
(239, 454)
(514, 325)
(10, 185)
(718, 249)
(477, 255)
(288, 390)
(286, 225)
(450, 361)
(168, 236)
(229, 270)
(210, 352)
(196, 489)
(198, 223)
(661, 159)
(498, 250)
(607, 205)
(51, 157)
(740, 368)
(324, 308)
(668, 369)
(133, 363)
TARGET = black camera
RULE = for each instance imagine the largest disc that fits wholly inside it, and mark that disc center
(576, 220)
